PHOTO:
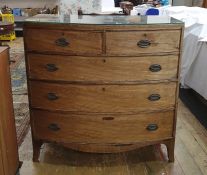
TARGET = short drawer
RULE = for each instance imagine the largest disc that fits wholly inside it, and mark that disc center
(67, 42)
(102, 69)
(135, 43)
(102, 98)
(102, 128)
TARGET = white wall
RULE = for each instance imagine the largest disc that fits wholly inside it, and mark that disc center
(88, 6)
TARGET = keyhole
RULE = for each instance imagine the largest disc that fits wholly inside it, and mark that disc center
(103, 89)
(104, 60)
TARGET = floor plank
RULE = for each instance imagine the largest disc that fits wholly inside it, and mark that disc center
(193, 147)
(194, 127)
(171, 168)
(185, 159)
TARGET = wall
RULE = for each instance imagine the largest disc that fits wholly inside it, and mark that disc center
(87, 6)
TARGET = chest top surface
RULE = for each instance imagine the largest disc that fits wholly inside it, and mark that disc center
(102, 20)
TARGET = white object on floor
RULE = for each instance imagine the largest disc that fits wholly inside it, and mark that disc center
(108, 6)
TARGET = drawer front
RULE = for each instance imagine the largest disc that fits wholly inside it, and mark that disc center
(68, 42)
(102, 69)
(102, 128)
(102, 98)
(135, 43)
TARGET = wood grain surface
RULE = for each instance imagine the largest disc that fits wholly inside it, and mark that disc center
(102, 98)
(78, 42)
(8, 142)
(125, 43)
(190, 156)
(117, 129)
(101, 69)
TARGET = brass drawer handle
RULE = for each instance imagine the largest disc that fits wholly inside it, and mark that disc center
(62, 42)
(108, 118)
(144, 43)
(155, 68)
(54, 127)
(52, 96)
(152, 127)
(51, 67)
(154, 97)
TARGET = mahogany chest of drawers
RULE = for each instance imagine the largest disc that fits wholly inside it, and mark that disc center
(103, 83)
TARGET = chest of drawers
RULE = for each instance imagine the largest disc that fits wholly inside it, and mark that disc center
(99, 87)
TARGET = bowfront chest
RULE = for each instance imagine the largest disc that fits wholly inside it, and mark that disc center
(103, 83)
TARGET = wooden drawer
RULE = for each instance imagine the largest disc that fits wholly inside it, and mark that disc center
(146, 42)
(102, 69)
(102, 128)
(102, 98)
(65, 42)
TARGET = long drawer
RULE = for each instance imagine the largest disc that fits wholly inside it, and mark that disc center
(65, 42)
(101, 128)
(102, 98)
(143, 42)
(102, 69)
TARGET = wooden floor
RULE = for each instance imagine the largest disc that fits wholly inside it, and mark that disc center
(190, 156)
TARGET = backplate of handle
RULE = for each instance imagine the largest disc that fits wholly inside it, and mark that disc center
(144, 43)
(154, 97)
(54, 127)
(152, 127)
(52, 96)
(51, 67)
(62, 42)
(155, 68)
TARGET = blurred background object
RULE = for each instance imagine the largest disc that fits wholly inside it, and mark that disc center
(126, 6)
(6, 10)
(7, 32)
